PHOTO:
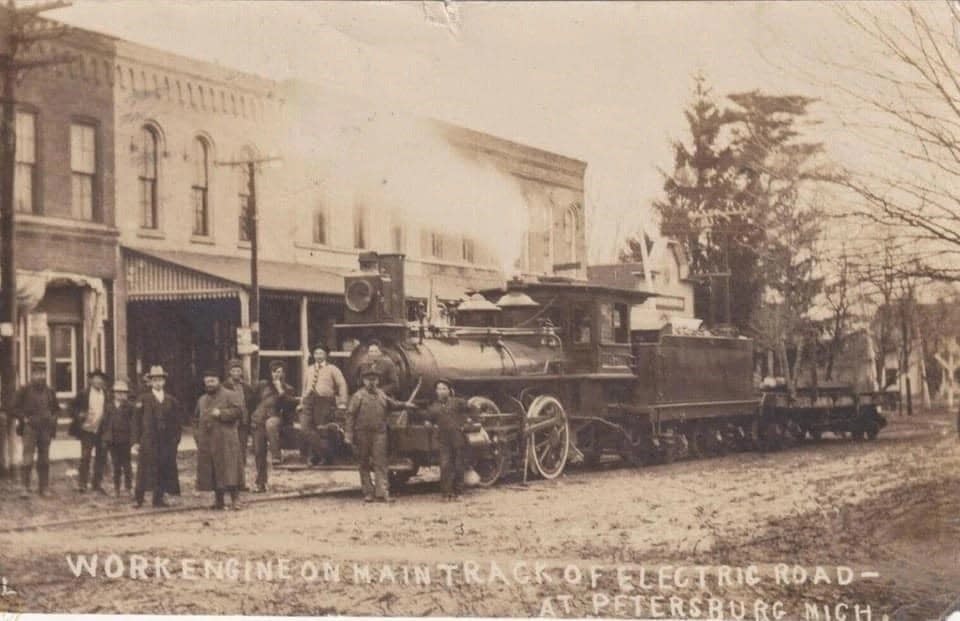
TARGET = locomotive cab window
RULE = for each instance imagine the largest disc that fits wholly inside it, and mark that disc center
(614, 323)
(582, 325)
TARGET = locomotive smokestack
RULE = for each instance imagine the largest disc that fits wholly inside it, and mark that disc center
(391, 266)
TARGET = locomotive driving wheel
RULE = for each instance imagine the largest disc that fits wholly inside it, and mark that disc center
(491, 465)
(548, 440)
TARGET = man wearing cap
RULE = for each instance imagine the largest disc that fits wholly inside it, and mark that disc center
(276, 400)
(218, 413)
(117, 434)
(88, 413)
(35, 407)
(157, 431)
(324, 391)
(367, 431)
(235, 382)
(450, 414)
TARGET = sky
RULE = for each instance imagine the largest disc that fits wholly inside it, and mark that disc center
(604, 82)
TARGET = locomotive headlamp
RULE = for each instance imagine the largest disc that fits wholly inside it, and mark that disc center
(359, 295)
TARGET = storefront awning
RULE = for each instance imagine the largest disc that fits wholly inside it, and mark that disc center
(172, 274)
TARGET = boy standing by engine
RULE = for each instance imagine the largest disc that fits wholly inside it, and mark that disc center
(367, 431)
(450, 414)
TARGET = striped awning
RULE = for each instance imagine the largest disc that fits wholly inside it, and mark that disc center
(181, 275)
(150, 278)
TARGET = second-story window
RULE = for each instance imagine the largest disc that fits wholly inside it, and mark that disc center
(83, 168)
(436, 245)
(149, 208)
(201, 186)
(398, 237)
(468, 250)
(320, 226)
(360, 227)
(25, 176)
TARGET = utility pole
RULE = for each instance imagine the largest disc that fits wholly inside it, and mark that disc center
(251, 222)
(19, 28)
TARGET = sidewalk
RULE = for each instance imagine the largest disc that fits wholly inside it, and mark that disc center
(65, 448)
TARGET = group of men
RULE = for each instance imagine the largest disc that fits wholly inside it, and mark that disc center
(227, 416)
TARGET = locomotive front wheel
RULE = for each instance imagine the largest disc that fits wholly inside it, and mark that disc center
(549, 443)
(491, 465)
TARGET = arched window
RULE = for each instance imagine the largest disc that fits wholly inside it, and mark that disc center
(149, 207)
(201, 187)
(320, 225)
(570, 233)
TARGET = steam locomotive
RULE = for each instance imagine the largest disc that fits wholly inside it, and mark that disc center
(557, 376)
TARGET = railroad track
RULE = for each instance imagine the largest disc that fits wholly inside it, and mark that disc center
(423, 487)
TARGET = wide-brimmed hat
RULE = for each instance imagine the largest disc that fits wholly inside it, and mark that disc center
(121, 386)
(97, 373)
(369, 370)
(443, 380)
(210, 372)
(157, 371)
(277, 364)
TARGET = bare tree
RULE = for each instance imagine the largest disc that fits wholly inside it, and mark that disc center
(905, 107)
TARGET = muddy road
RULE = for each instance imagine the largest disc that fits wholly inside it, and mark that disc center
(750, 531)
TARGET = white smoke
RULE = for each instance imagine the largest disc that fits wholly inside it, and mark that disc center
(395, 163)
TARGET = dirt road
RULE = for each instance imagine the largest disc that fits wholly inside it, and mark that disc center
(650, 542)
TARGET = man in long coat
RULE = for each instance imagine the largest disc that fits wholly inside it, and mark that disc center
(219, 462)
(248, 394)
(157, 431)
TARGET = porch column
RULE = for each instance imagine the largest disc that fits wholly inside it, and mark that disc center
(244, 298)
(120, 365)
(304, 335)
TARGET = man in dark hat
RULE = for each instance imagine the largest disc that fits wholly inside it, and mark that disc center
(35, 407)
(367, 431)
(88, 414)
(117, 433)
(218, 413)
(157, 430)
(450, 414)
(276, 401)
(236, 382)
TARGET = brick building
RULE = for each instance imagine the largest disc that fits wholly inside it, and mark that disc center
(133, 176)
(66, 238)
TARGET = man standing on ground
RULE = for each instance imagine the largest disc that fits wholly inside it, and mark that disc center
(367, 431)
(88, 413)
(35, 407)
(276, 401)
(450, 414)
(324, 392)
(158, 433)
(218, 445)
(117, 434)
(247, 394)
